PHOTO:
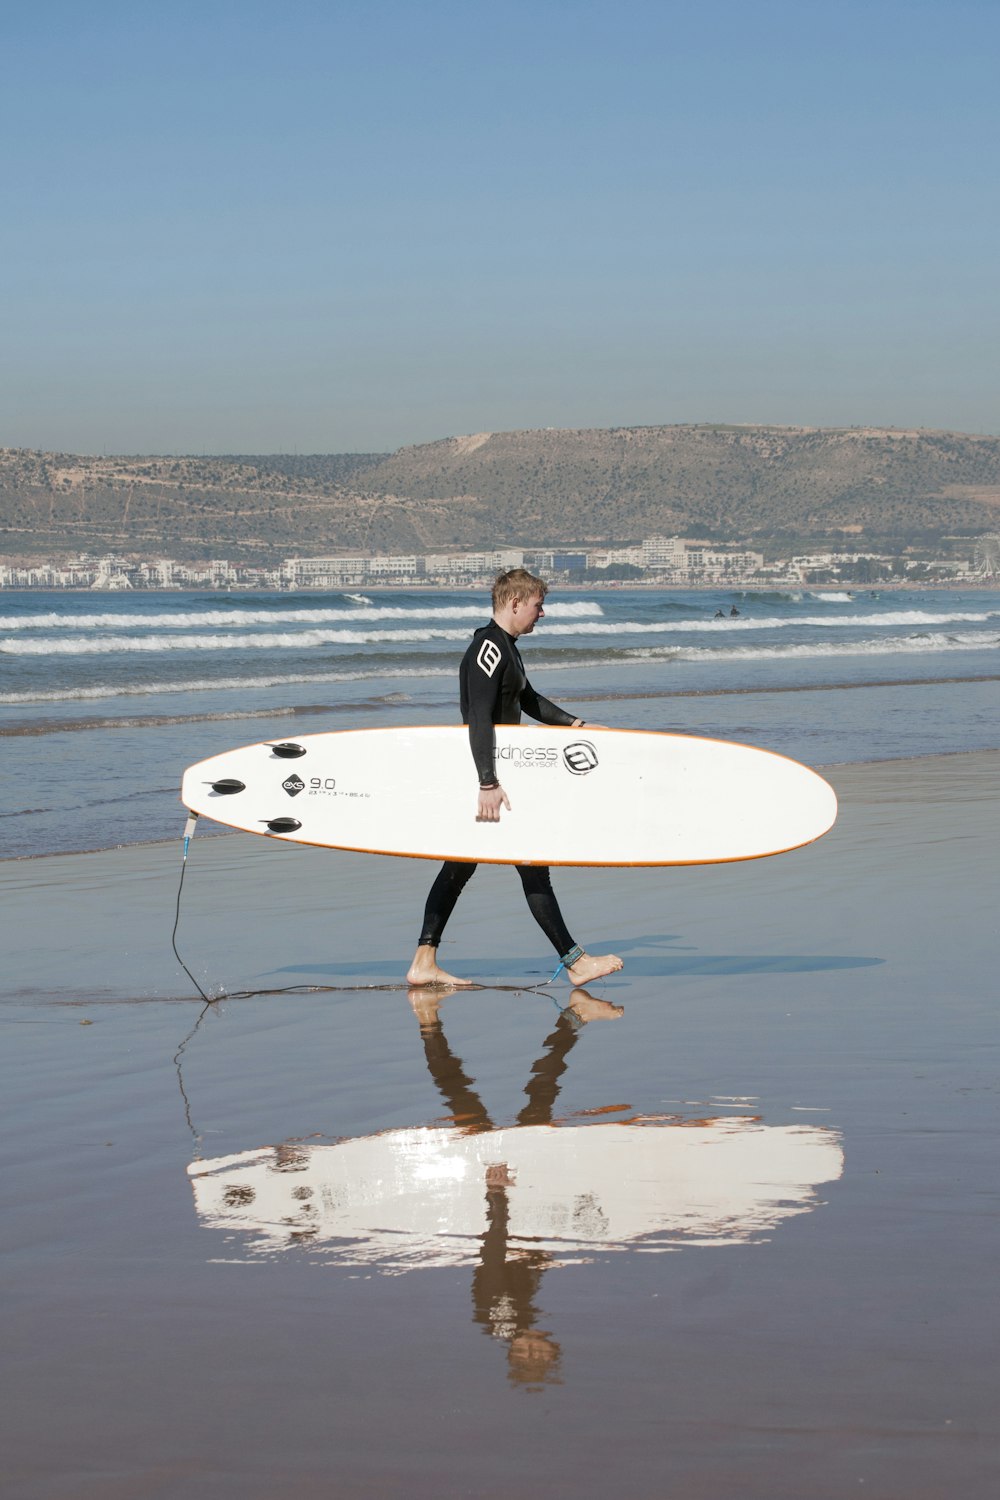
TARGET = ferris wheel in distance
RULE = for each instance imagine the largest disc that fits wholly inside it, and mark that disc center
(986, 556)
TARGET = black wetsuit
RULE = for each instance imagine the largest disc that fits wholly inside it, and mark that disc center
(494, 689)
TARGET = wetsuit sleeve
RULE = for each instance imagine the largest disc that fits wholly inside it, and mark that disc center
(543, 709)
(484, 681)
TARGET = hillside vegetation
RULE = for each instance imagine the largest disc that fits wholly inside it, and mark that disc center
(772, 487)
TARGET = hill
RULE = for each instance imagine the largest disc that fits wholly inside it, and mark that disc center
(769, 486)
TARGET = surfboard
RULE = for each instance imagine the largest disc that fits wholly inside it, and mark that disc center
(578, 796)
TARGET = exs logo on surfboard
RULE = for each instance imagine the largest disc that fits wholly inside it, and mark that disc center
(293, 785)
(580, 757)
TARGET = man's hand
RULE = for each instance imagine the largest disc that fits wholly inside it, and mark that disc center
(491, 799)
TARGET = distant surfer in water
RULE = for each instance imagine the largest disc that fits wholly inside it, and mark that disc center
(494, 689)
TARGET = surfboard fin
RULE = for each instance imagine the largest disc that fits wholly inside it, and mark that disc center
(283, 825)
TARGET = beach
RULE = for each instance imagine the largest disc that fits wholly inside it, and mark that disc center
(723, 1226)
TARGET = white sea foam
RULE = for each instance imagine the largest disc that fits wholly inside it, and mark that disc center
(270, 640)
(913, 645)
(767, 622)
(921, 617)
(97, 691)
(223, 618)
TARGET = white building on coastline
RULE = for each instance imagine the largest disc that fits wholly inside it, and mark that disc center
(664, 560)
(465, 567)
(680, 560)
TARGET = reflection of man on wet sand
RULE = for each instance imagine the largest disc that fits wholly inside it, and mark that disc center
(504, 1286)
(494, 690)
(505, 1281)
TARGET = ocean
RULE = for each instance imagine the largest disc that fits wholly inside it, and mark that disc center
(107, 697)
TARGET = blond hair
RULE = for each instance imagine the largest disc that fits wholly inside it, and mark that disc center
(517, 583)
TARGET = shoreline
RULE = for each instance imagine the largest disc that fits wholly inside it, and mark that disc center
(153, 721)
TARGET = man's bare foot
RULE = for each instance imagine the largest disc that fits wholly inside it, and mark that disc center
(593, 966)
(424, 970)
(589, 1008)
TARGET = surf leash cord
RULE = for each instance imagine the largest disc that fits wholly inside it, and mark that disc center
(302, 989)
(189, 828)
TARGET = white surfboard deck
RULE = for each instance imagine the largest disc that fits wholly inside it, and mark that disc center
(578, 796)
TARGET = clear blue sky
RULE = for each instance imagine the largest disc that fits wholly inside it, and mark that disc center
(328, 225)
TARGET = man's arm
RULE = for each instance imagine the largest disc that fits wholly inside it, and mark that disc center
(545, 711)
(484, 678)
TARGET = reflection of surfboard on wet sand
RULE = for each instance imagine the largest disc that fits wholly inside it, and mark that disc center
(410, 1199)
(578, 797)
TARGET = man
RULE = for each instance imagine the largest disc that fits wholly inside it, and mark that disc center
(494, 690)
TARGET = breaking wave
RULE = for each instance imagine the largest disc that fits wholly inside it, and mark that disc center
(291, 640)
(913, 645)
(794, 596)
(269, 640)
(95, 691)
(221, 618)
(413, 669)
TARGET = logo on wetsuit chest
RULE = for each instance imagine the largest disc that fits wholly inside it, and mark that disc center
(489, 658)
(580, 757)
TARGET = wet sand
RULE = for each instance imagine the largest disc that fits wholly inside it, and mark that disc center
(737, 1239)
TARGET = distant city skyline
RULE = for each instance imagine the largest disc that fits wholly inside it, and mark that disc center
(236, 228)
(663, 560)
